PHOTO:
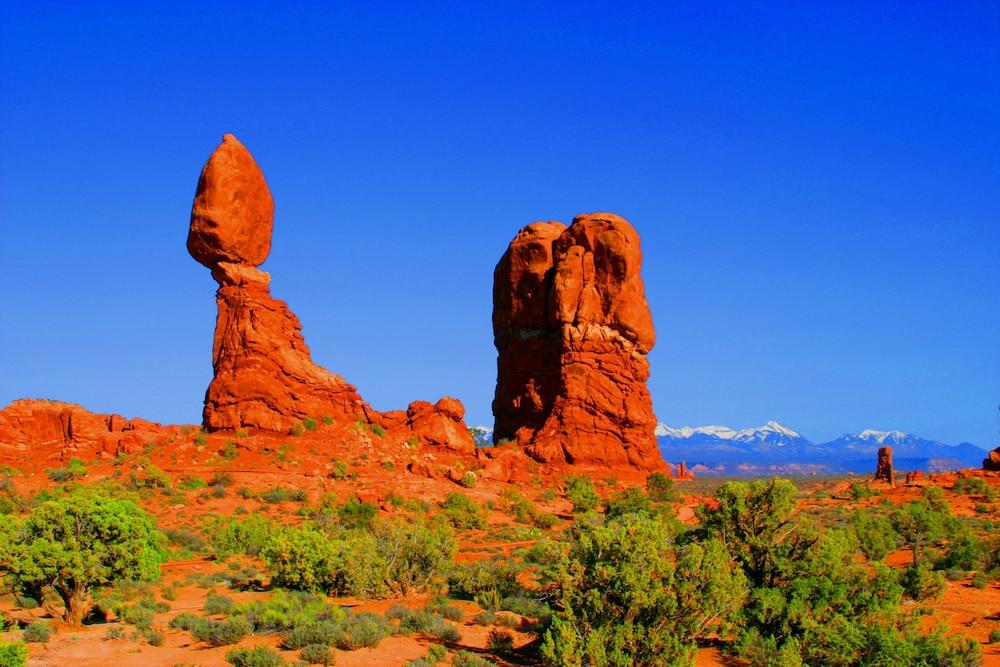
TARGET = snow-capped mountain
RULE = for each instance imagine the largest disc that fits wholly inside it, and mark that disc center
(777, 448)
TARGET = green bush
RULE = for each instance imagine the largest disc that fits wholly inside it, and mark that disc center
(221, 633)
(435, 654)
(624, 597)
(581, 492)
(519, 507)
(500, 642)
(304, 559)
(547, 521)
(995, 636)
(416, 554)
(462, 512)
(629, 501)
(186, 621)
(258, 656)
(245, 536)
(979, 580)
(921, 583)
(469, 659)
(313, 633)
(36, 633)
(317, 654)
(218, 604)
(363, 630)
(13, 654)
(79, 543)
(975, 486)
(75, 469)
(468, 480)
(499, 574)
(280, 494)
(358, 515)
(875, 534)
(660, 488)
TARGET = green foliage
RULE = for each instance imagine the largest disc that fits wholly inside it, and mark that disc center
(416, 554)
(975, 486)
(317, 654)
(861, 491)
(309, 424)
(875, 534)
(258, 656)
(921, 583)
(629, 501)
(581, 492)
(363, 630)
(470, 659)
(378, 430)
(995, 636)
(190, 483)
(280, 494)
(304, 559)
(221, 633)
(498, 574)
(229, 451)
(218, 604)
(519, 507)
(435, 654)
(468, 480)
(660, 488)
(500, 642)
(78, 543)
(13, 654)
(339, 470)
(245, 536)
(36, 633)
(462, 512)
(624, 597)
(75, 469)
(922, 522)
(356, 514)
(965, 551)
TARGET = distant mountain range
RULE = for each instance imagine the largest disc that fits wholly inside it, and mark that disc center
(776, 449)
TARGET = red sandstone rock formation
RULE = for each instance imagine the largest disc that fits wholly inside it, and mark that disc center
(264, 375)
(883, 470)
(992, 462)
(572, 330)
(54, 431)
(914, 477)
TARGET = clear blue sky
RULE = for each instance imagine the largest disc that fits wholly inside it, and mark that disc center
(817, 186)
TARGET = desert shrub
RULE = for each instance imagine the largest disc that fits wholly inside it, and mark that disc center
(356, 514)
(525, 606)
(363, 630)
(581, 492)
(72, 470)
(861, 491)
(965, 551)
(339, 470)
(922, 522)
(470, 659)
(77, 544)
(221, 479)
(629, 501)
(660, 488)
(218, 604)
(995, 636)
(185, 539)
(979, 580)
(303, 559)
(416, 553)
(920, 582)
(875, 534)
(229, 451)
(186, 621)
(975, 486)
(115, 632)
(663, 599)
(467, 580)
(245, 536)
(290, 610)
(317, 654)
(500, 642)
(440, 605)
(462, 512)
(258, 656)
(519, 507)
(312, 633)
(435, 654)
(13, 654)
(279, 494)
(810, 601)
(153, 636)
(221, 633)
(468, 480)
(36, 633)
(190, 483)
(148, 477)
(547, 521)
(485, 617)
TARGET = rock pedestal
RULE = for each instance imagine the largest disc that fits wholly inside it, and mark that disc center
(572, 330)
(883, 470)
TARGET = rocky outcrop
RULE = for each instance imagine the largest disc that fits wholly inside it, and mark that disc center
(992, 462)
(883, 469)
(44, 430)
(572, 330)
(264, 375)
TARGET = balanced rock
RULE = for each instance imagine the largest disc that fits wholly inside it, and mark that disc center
(572, 329)
(41, 430)
(883, 469)
(264, 375)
